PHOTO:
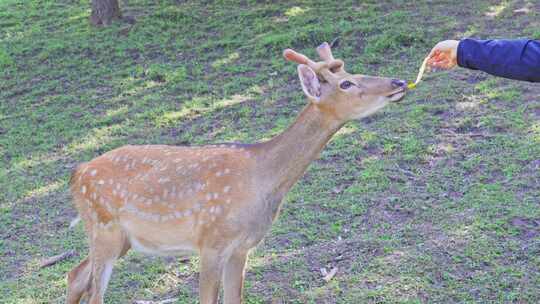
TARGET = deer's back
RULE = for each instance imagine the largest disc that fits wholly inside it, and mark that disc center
(167, 197)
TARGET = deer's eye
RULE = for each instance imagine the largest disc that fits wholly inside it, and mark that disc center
(346, 84)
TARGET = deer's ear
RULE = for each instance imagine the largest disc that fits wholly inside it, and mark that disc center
(310, 83)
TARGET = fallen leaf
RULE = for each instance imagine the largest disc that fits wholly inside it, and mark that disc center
(330, 275)
(166, 301)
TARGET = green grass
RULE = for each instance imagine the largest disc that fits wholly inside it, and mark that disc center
(434, 200)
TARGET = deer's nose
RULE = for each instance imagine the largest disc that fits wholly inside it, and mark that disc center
(396, 83)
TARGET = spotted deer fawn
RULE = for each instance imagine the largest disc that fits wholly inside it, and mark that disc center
(217, 200)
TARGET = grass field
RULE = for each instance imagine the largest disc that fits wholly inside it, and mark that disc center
(433, 200)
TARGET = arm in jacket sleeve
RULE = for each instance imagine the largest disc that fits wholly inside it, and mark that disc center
(516, 59)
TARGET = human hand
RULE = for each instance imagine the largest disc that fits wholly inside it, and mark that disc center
(443, 55)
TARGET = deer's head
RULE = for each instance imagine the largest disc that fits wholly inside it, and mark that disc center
(338, 93)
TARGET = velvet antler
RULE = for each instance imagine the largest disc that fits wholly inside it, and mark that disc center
(325, 68)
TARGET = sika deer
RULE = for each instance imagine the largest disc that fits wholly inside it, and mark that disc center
(217, 200)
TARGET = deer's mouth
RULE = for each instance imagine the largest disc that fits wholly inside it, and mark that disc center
(397, 95)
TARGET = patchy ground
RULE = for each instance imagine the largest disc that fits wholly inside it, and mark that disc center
(435, 200)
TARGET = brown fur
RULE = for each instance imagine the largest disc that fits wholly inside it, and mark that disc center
(218, 201)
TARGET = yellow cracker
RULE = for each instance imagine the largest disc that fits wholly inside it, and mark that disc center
(420, 74)
(421, 71)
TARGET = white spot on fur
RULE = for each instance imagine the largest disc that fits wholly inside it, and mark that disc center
(83, 189)
(226, 189)
(93, 172)
(164, 180)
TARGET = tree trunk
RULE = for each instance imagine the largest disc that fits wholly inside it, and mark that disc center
(104, 12)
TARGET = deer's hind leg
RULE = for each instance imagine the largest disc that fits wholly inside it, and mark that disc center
(107, 245)
(78, 280)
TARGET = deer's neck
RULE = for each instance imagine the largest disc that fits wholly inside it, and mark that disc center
(285, 158)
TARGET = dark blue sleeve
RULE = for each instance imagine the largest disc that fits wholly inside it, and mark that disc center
(516, 59)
